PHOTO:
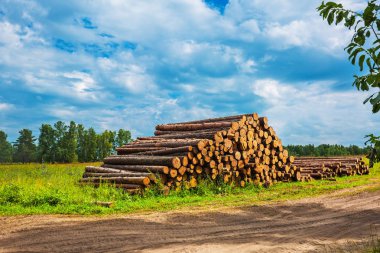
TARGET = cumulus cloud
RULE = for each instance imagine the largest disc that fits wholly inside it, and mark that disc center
(77, 85)
(315, 112)
(139, 118)
(290, 23)
(122, 63)
(298, 33)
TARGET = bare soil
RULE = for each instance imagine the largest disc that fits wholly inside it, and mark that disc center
(323, 224)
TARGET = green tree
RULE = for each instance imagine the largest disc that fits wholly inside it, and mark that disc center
(70, 144)
(25, 147)
(112, 139)
(363, 50)
(91, 145)
(60, 130)
(104, 145)
(81, 143)
(6, 150)
(46, 144)
(326, 150)
(123, 137)
(374, 155)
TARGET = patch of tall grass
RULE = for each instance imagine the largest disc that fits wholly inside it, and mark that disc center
(53, 188)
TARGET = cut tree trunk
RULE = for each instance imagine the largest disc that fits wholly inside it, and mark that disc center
(139, 168)
(144, 160)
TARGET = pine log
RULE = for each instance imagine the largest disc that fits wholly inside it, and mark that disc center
(94, 169)
(171, 132)
(165, 143)
(144, 160)
(119, 180)
(203, 135)
(129, 187)
(221, 119)
(139, 168)
(124, 174)
(168, 151)
(132, 150)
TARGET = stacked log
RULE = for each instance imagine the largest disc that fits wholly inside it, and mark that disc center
(330, 167)
(235, 150)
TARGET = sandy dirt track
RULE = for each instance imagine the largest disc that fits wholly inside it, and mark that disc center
(310, 225)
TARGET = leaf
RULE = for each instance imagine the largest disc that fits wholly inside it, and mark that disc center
(319, 8)
(376, 48)
(364, 85)
(339, 17)
(368, 98)
(360, 39)
(361, 62)
(351, 21)
(375, 100)
(371, 79)
(378, 24)
(368, 61)
(354, 54)
(368, 15)
(330, 18)
(376, 108)
(331, 4)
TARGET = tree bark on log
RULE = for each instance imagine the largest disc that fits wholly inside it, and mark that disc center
(139, 168)
(124, 174)
(203, 135)
(94, 169)
(128, 187)
(168, 151)
(119, 180)
(161, 143)
(144, 160)
(171, 132)
(225, 119)
(133, 150)
(193, 127)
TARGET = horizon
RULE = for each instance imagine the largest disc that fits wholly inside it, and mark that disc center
(109, 66)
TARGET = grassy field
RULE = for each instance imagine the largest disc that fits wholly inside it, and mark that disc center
(53, 189)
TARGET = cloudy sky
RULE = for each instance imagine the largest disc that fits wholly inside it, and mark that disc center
(134, 64)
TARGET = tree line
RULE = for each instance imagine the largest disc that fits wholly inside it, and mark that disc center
(326, 150)
(62, 143)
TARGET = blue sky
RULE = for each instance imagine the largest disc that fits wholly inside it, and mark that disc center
(134, 64)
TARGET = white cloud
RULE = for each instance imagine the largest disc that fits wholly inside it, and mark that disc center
(184, 20)
(8, 34)
(298, 33)
(315, 113)
(135, 79)
(190, 62)
(271, 90)
(5, 106)
(291, 23)
(139, 118)
(77, 85)
(207, 58)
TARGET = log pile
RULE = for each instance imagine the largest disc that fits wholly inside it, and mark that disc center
(330, 167)
(235, 150)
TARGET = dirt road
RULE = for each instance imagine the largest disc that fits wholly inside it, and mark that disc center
(316, 224)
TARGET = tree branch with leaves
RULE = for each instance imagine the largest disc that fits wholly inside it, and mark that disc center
(363, 50)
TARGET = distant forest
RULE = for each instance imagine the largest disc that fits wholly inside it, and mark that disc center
(326, 150)
(61, 143)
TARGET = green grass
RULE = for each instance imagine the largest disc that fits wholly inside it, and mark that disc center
(53, 189)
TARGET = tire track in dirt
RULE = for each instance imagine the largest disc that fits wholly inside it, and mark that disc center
(304, 225)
